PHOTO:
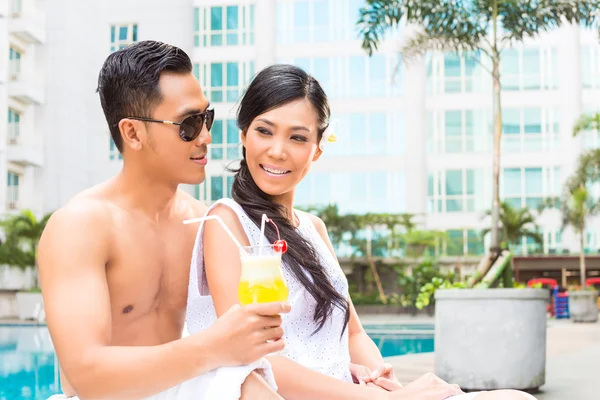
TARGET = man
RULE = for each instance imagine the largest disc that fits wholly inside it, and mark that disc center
(114, 262)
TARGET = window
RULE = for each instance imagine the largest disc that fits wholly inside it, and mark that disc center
(454, 73)
(14, 121)
(590, 65)
(355, 192)
(367, 134)
(12, 192)
(224, 82)
(318, 21)
(220, 187)
(16, 7)
(225, 140)
(114, 153)
(355, 76)
(14, 64)
(530, 129)
(231, 25)
(527, 187)
(529, 68)
(122, 36)
(455, 190)
(552, 241)
(459, 131)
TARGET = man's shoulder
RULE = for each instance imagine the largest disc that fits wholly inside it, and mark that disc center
(197, 207)
(84, 209)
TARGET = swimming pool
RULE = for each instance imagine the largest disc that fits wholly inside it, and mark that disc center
(398, 340)
(29, 369)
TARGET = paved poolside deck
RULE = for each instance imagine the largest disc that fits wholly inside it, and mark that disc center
(572, 364)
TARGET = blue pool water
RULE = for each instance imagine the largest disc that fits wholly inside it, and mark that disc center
(29, 369)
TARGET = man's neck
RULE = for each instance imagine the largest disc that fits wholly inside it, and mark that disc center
(147, 194)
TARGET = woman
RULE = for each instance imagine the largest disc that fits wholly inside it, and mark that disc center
(283, 118)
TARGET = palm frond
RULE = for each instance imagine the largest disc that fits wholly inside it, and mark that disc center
(587, 122)
(525, 19)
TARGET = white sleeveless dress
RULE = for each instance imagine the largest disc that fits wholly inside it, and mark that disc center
(327, 350)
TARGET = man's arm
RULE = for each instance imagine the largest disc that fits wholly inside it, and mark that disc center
(73, 253)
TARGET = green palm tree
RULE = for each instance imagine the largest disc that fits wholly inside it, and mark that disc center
(480, 27)
(576, 206)
(23, 232)
(515, 224)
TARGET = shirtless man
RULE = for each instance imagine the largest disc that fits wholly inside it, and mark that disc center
(114, 262)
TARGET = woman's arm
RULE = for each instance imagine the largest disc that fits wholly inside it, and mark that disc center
(364, 354)
(363, 350)
(223, 270)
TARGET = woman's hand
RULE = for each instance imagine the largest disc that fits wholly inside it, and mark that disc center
(382, 376)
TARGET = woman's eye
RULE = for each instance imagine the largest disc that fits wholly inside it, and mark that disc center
(299, 138)
(263, 131)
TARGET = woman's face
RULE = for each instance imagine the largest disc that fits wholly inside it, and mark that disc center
(281, 144)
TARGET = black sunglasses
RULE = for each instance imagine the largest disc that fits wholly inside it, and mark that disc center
(190, 127)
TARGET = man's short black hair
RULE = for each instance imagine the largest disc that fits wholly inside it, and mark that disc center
(128, 81)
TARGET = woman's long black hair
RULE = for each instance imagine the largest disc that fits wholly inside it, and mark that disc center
(274, 87)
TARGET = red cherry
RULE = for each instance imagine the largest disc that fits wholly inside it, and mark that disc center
(280, 246)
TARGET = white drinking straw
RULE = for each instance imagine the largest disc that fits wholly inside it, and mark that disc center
(216, 218)
(263, 220)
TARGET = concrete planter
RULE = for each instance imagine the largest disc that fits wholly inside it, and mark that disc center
(31, 305)
(583, 305)
(488, 339)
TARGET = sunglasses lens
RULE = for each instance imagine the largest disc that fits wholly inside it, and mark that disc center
(191, 127)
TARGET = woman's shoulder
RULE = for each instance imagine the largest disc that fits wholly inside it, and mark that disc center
(315, 220)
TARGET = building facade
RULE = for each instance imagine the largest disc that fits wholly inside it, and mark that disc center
(414, 137)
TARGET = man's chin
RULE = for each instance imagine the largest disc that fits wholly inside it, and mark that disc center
(197, 180)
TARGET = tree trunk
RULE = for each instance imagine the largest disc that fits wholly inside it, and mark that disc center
(497, 112)
(582, 258)
(374, 268)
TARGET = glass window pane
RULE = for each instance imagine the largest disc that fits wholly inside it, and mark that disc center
(232, 74)
(510, 69)
(112, 37)
(358, 77)
(533, 181)
(322, 186)
(232, 17)
(216, 153)
(377, 76)
(321, 72)
(123, 33)
(229, 185)
(377, 129)
(454, 205)
(301, 16)
(216, 132)
(303, 63)
(216, 18)
(430, 185)
(454, 242)
(216, 184)
(512, 182)
(233, 133)
(358, 134)
(531, 69)
(470, 182)
(135, 33)
(453, 123)
(511, 121)
(216, 75)
(475, 243)
(451, 65)
(532, 120)
(454, 182)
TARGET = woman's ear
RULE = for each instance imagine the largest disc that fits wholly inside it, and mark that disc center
(243, 137)
(318, 154)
